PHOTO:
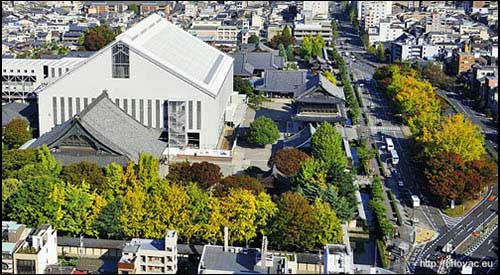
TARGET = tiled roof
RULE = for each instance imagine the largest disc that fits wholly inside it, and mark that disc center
(113, 127)
(258, 60)
(283, 81)
(17, 109)
(319, 81)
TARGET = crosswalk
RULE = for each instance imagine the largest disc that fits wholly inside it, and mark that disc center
(450, 221)
(385, 128)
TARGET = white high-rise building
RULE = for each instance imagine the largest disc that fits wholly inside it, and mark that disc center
(318, 9)
(371, 12)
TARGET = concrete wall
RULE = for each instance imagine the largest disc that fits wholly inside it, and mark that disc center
(147, 81)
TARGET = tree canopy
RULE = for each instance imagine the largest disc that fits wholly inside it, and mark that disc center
(97, 37)
(289, 160)
(16, 133)
(326, 145)
(263, 131)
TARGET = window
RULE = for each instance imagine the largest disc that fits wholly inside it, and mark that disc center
(157, 114)
(63, 118)
(53, 72)
(70, 107)
(120, 61)
(25, 71)
(85, 102)
(67, 69)
(150, 117)
(26, 267)
(77, 101)
(54, 109)
(190, 114)
(141, 110)
(133, 108)
(125, 105)
(117, 102)
(198, 115)
(60, 71)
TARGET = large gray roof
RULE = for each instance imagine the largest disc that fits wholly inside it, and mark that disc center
(305, 93)
(283, 81)
(258, 47)
(111, 126)
(17, 109)
(258, 60)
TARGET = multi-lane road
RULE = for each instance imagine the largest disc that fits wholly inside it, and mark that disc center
(376, 106)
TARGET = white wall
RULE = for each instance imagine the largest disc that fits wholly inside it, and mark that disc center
(147, 81)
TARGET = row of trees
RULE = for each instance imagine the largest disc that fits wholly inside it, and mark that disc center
(194, 199)
(351, 100)
(312, 46)
(440, 140)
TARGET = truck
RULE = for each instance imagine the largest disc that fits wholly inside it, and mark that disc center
(389, 144)
(415, 200)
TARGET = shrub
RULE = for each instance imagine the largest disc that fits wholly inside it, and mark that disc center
(16, 133)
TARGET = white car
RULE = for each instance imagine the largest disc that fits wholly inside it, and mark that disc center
(400, 183)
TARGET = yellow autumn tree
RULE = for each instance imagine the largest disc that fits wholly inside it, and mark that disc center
(457, 135)
(240, 210)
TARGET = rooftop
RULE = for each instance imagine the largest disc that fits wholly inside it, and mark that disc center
(194, 60)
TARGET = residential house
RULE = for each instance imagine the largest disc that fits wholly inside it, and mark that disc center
(37, 251)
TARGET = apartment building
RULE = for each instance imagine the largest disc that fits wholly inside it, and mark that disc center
(144, 256)
(369, 13)
(302, 30)
(386, 31)
(316, 9)
(37, 251)
(13, 235)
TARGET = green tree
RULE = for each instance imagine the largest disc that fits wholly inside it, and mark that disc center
(365, 154)
(255, 100)
(329, 226)
(380, 53)
(284, 37)
(293, 227)
(266, 210)
(31, 204)
(254, 39)
(282, 51)
(107, 222)
(114, 174)
(198, 208)
(97, 37)
(13, 160)
(263, 131)
(290, 53)
(16, 133)
(335, 33)
(134, 8)
(330, 77)
(317, 45)
(85, 171)
(310, 180)
(243, 86)
(326, 145)
(9, 187)
(306, 48)
(147, 172)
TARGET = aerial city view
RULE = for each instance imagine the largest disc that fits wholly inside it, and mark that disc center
(249, 137)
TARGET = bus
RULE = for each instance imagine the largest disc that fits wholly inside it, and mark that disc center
(389, 144)
(395, 157)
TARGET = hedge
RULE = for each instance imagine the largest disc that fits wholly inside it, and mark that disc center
(396, 208)
(381, 252)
